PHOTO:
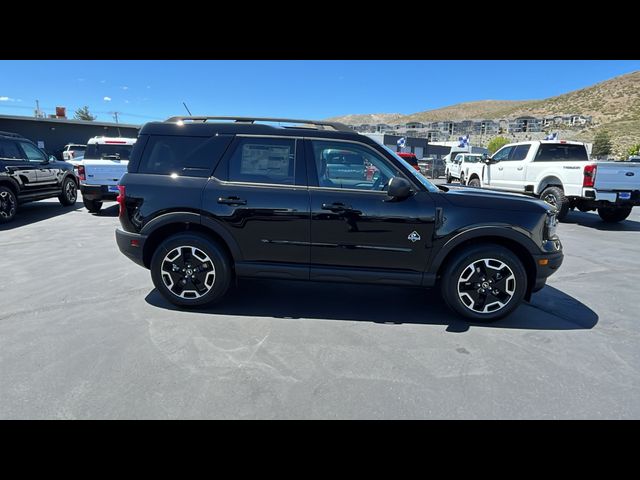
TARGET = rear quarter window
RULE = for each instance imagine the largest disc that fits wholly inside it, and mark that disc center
(551, 152)
(182, 155)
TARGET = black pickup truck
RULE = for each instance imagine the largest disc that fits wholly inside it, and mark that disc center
(27, 175)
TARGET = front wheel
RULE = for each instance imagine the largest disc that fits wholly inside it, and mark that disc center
(93, 206)
(554, 196)
(8, 205)
(484, 283)
(189, 270)
(474, 182)
(69, 193)
(612, 215)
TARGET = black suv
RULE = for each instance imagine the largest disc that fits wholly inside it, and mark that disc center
(27, 174)
(209, 198)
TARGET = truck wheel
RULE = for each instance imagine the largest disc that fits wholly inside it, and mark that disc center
(189, 269)
(69, 193)
(484, 283)
(93, 206)
(616, 214)
(449, 178)
(461, 179)
(554, 196)
(8, 205)
(474, 182)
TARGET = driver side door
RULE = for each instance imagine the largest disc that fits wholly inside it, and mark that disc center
(354, 225)
(46, 173)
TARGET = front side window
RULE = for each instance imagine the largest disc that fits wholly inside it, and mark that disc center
(264, 160)
(503, 154)
(33, 154)
(9, 150)
(350, 166)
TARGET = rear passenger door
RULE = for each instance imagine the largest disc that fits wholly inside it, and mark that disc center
(259, 193)
(514, 168)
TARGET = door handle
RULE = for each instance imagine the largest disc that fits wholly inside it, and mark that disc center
(335, 207)
(520, 168)
(231, 201)
(500, 168)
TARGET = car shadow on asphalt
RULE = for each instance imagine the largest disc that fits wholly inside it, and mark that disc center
(111, 211)
(593, 220)
(550, 309)
(35, 212)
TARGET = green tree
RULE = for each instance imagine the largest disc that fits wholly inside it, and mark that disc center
(601, 144)
(496, 144)
(84, 114)
(635, 150)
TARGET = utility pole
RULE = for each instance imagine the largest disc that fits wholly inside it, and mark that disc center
(115, 115)
(37, 109)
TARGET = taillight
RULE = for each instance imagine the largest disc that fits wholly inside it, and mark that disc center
(589, 178)
(120, 199)
(81, 174)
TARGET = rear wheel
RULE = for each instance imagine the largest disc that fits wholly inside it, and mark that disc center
(189, 269)
(484, 283)
(8, 205)
(93, 206)
(616, 214)
(474, 182)
(554, 196)
(69, 193)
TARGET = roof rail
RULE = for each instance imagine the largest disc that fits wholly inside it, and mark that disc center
(322, 124)
(11, 134)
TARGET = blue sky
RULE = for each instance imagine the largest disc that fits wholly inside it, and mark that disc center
(153, 90)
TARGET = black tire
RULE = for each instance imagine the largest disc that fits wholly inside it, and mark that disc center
(510, 282)
(616, 214)
(8, 205)
(461, 179)
(94, 206)
(474, 182)
(163, 268)
(69, 193)
(449, 178)
(555, 196)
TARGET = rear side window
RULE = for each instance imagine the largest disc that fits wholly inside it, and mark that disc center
(184, 156)
(558, 152)
(519, 152)
(9, 149)
(263, 160)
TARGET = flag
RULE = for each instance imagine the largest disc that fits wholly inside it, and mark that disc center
(464, 141)
(402, 142)
(552, 136)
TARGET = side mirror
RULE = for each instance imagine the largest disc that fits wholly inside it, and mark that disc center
(399, 188)
(52, 158)
(488, 160)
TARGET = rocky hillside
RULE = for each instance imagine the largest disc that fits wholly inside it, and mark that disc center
(614, 105)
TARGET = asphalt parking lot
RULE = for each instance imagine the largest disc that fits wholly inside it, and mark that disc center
(83, 334)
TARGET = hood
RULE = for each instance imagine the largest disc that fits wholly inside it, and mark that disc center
(470, 197)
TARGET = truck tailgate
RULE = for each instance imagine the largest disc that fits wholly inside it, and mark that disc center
(612, 176)
(104, 172)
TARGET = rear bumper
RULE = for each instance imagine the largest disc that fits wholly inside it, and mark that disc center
(554, 260)
(609, 198)
(131, 245)
(97, 192)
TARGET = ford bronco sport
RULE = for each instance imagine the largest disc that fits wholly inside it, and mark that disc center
(207, 199)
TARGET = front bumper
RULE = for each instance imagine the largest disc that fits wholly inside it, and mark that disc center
(551, 261)
(131, 245)
(97, 192)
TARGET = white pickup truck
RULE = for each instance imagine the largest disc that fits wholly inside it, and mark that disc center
(105, 162)
(561, 173)
(458, 168)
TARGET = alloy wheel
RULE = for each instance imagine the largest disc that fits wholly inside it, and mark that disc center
(7, 205)
(486, 285)
(71, 191)
(188, 272)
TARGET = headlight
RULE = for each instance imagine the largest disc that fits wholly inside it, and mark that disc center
(551, 224)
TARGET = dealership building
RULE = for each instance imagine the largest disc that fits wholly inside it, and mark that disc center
(52, 134)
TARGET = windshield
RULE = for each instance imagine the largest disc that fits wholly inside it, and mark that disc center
(418, 176)
(473, 158)
(109, 152)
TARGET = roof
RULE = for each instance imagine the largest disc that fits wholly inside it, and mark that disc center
(69, 121)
